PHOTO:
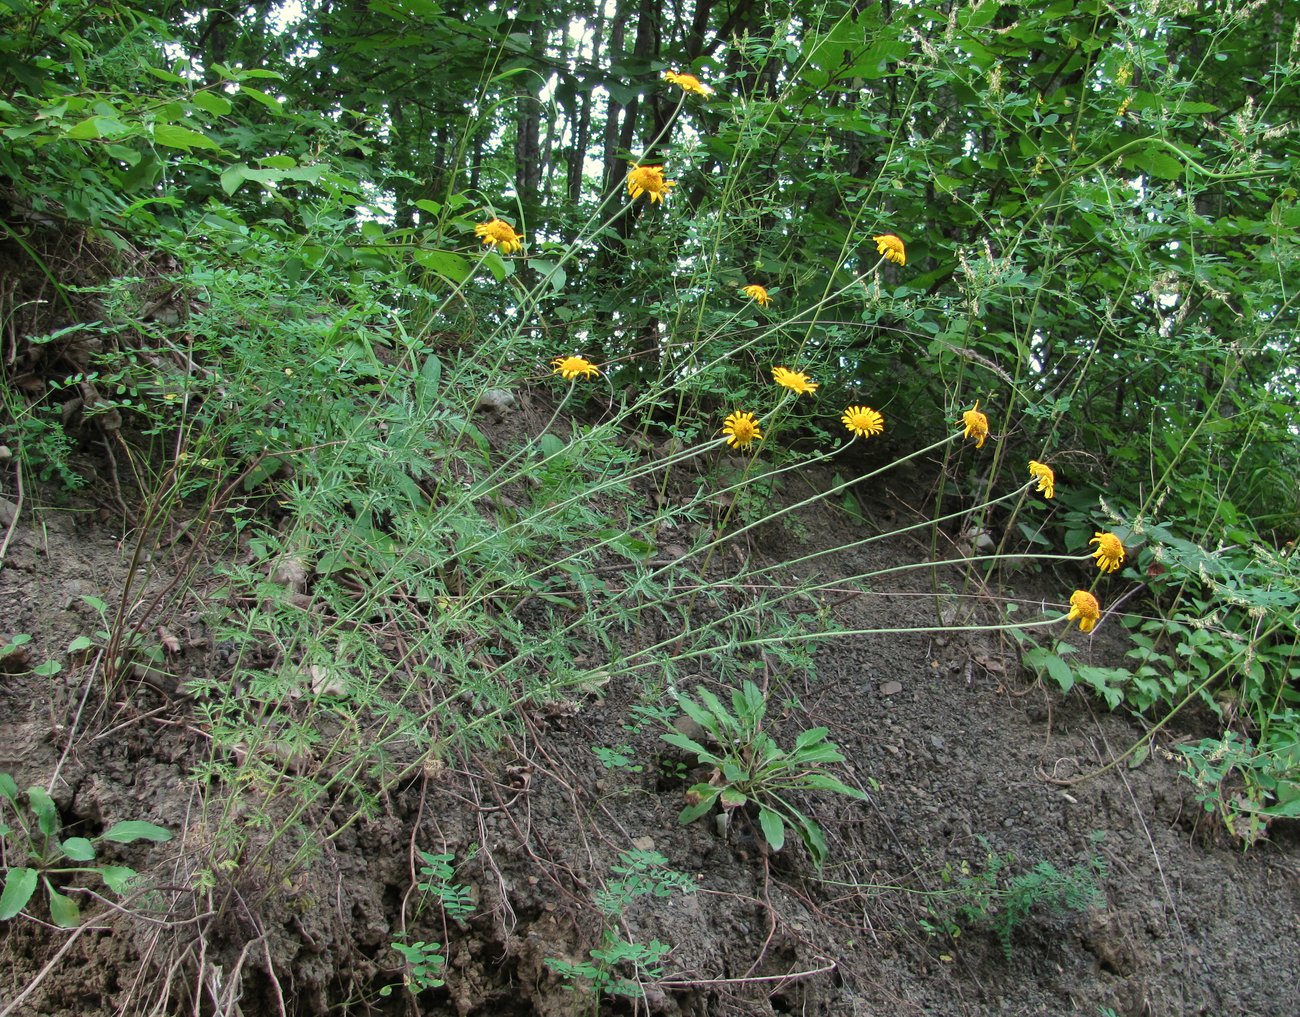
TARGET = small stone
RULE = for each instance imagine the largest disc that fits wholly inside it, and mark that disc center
(891, 688)
(938, 741)
(643, 843)
(496, 400)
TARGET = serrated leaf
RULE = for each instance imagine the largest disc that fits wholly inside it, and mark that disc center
(773, 828)
(130, 830)
(20, 884)
(63, 909)
(78, 849)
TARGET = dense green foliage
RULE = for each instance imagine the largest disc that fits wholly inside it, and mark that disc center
(1099, 208)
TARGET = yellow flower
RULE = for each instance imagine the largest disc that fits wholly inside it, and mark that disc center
(863, 421)
(1110, 551)
(741, 429)
(688, 83)
(758, 293)
(1046, 478)
(977, 425)
(570, 368)
(1084, 607)
(795, 381)
(500, 234)
(649, 180)
(891, 247)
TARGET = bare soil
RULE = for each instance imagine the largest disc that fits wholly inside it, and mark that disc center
(961, 752)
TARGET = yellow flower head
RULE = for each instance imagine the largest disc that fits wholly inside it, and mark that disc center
(977, 425)
(688, 83)
(758, 293)
(572, 368)
(649, 180)
(1046, 478)
(1084, 607)
(741, 429)
(1110, 551)
(500, 234)
(795, 381)
(863, 421)
(891, 248)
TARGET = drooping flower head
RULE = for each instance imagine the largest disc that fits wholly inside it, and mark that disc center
(1046, 478)
(795, 381)
(891, 248)
(500, 234)
(1084, 608)
(863, 421)
(741, 429)
(688, 83)
(758, 293)
(977, 425)
(649, 180)
(572, 368)
(1110, 551)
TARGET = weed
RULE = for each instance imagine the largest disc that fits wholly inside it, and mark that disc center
(620, 966)
(46, 856)
(749, 767)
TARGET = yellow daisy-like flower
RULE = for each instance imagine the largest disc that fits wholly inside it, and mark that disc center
(891, 248)
(572, 368)
(1110, 551)
(741, 429)
(977, 425)
(863, 421)
(688, 83)
(758, 293)
(1046, 478)
(1084, 607)
(649, 180)
(795, 381)
(500, 234)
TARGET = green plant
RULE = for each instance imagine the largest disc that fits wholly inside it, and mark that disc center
(750, 767)
(46, 856)
(425, 960)
(619, 966)
(995, 898)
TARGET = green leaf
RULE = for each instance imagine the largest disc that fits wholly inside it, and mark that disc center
(773, 828)
(97, 127)
(444, 263)
(63, 909)
(217, 105)
(682, 742)
(79, 849)
(117, 877)
(733, 799)
(176, 136)
(813, 734)
(708, 795)
(550, 272)
(96, 604)
(270, 102)
(80, 643)
(47, 813)
(130, 830)
(9, 788)
(20, 884)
